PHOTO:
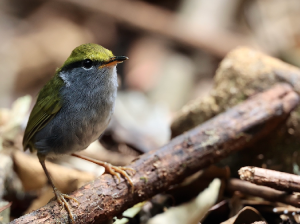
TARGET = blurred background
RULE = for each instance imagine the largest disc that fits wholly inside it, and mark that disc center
(174, 47)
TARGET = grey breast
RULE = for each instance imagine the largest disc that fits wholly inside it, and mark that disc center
(88, 103)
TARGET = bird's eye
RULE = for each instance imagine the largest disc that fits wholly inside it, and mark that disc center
(87, 63)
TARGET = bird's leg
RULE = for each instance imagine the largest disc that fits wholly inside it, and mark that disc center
(113, 170)
(60, 197)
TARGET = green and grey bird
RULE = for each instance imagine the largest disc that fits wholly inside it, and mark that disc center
(74, 108)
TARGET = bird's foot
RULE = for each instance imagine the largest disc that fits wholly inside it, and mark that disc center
(113, 170)
(61, 199)
(117, 170)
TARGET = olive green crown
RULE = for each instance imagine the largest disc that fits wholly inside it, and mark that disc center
(93, 52)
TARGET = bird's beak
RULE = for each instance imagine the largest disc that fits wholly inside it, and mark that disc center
(114, 60)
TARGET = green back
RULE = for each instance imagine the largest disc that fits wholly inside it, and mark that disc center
(47, 105)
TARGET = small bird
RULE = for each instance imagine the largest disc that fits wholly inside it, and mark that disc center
(74, 108)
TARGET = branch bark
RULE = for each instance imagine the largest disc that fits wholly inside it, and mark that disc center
(271, 178)
(241, 74)
(157, 170)
(263, 192)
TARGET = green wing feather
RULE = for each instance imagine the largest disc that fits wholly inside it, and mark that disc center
(46, 107)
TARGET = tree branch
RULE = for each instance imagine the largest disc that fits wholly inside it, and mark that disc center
(263, 192)
(157, 170)
(271, 178)
(241, 74)
(167, 24)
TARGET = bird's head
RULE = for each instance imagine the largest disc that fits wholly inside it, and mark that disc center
(89, 60)
(88, 55)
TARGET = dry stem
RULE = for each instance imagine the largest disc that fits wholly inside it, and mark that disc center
(271, 178)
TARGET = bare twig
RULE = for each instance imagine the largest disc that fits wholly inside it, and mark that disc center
(259, 222)
(263, 192)
(5, 207)
(156, 20)
(157, 170)
(271, 178)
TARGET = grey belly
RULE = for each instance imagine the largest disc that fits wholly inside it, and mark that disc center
(70, 131)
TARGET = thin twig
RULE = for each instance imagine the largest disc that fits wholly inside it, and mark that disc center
(263, 192)
(156, 20)
(271, 178)
(5, 207)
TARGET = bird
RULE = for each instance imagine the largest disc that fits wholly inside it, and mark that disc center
(73, 109)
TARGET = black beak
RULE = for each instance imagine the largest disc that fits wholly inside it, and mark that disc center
(114, 61)
(119, 59)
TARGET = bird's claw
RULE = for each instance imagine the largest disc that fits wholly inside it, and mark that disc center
(119, 170)
(61, 199)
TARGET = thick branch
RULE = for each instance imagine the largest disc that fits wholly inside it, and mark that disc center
(157, 170)
(242, 73)
(271, 178)
(263, 192)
